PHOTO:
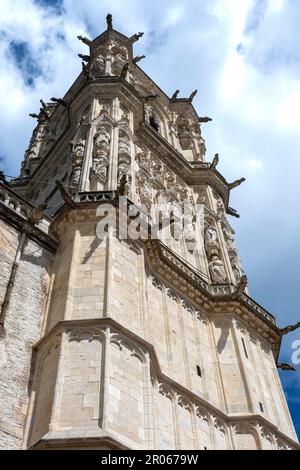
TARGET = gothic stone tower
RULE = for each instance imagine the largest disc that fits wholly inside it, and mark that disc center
(117, 342)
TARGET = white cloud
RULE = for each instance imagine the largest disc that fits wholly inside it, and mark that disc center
(254, 164)
(174, 14)
(275, 5)
(289, 112)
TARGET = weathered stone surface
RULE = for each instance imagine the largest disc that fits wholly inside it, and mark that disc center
(118, 343)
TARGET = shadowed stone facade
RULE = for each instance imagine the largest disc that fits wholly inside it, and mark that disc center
(120, 343)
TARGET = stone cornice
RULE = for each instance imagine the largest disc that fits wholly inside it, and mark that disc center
(65, 440)
(216, 299)
(69, 325)
(17, 215)
(180, 275)
(193, 173)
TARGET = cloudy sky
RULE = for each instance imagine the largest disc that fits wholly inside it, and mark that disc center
(243, 56)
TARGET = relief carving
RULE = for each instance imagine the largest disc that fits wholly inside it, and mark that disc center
(101, 150)
(77, 160)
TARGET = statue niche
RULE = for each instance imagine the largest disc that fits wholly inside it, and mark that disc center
(101, 149)
(124, 159)
(144, 190)
(184, 133)
(212, 248)
(96, 68)
(77, 160)
(120, 56)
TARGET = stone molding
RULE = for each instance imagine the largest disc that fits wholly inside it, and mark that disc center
(16, 211)
(167, 386)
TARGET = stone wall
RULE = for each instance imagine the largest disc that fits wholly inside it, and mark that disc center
(22, 328)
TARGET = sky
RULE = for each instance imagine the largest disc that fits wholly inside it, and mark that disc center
(243, 56)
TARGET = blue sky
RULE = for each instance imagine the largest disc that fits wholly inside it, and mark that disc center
(244, 58)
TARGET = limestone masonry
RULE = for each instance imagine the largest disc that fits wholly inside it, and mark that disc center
(121, 343)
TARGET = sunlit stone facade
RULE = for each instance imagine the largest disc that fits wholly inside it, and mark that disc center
(112, 342)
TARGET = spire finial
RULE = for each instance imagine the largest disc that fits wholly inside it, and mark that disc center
(109, 21)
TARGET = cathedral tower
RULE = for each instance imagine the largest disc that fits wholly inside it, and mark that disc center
(110, 340)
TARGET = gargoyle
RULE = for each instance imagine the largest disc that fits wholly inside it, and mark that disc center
(34, 115)
(236, 183)
(148, 98)
(121, 191)
(174, 96)
(190, 99)
(215, 161)
(240, 287)
(204, 119)
(285, 366)
(136, 36)
(67, 197)
(86, 71)
(85, 58)
(36, 214)
(86, 41)
(137, 59)
(289, 328)
(233, 212)
(124, 71)
(60, 101)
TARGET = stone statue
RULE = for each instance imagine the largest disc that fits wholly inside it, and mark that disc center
(217, 270)
(229, 239)
(77, 159)
(144, 190)
(100, 167)
(124, 145)
(202, 148)
(211, 236)
(101, 142)
(235, 269)
(109, 21)
(97, 67)
(122, 170)
(123, 186)
(86, 70)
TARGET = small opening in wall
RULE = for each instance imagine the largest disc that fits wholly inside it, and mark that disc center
(205, 448)
(199, 372)
(261, 407)
(245, 349)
